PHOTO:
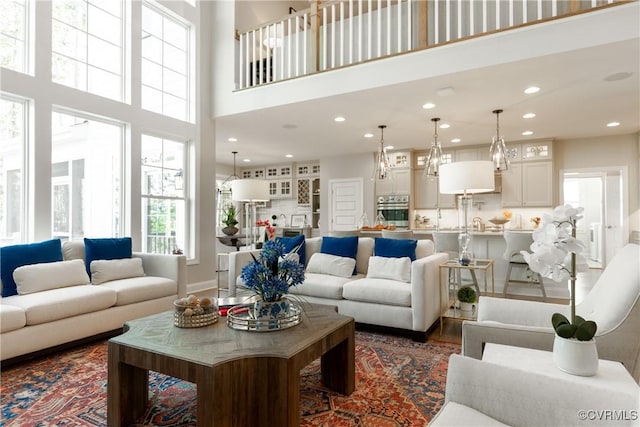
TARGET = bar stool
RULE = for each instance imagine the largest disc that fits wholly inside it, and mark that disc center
(447, 242)
(516, 242)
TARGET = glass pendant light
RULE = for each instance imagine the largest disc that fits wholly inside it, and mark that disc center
(498, 151)
(434, 160)
(383, 167)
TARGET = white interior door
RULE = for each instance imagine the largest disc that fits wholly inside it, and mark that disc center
(613, 224)
(346, 203)
(601, 193)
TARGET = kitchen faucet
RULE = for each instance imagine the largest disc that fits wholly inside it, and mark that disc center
(283, 217)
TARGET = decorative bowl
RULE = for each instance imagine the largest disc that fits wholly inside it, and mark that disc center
(498, 221)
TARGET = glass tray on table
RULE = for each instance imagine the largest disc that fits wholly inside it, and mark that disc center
(241, 317)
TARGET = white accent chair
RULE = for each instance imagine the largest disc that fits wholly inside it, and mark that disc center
(481, 393)
(519, 241)
(613, 303)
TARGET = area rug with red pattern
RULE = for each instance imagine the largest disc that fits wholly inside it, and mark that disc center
(399, 382)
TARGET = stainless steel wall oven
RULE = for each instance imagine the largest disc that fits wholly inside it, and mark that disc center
(395, 210)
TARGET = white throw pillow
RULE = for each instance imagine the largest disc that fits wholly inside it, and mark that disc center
(331, 264)
(390, 268)
(104, 270)
(50, 275)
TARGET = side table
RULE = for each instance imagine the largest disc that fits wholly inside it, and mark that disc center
(448, 309)
(611, 375)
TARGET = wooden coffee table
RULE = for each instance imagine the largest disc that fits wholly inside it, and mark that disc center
(242, 378)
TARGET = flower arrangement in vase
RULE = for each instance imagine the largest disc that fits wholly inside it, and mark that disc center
(557, 254)
(270, 276)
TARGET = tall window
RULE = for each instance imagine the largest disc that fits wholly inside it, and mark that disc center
(165, 63)
(13, 135)
(87, 44)
(86, 177)
(14, 32)
(164, 205)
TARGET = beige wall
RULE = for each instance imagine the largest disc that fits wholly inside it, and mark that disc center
(354, 166)
(602, 152)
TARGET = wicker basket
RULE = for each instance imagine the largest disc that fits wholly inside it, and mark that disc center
(196, 317)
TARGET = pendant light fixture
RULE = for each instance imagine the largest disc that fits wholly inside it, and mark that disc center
(434, 160)
(226, 184)
(498, 151)
(383, 166)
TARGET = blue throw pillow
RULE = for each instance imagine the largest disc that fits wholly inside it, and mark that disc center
(341, 246)
(395, 248)
(295, 243)
(12, 257)
(108, 248)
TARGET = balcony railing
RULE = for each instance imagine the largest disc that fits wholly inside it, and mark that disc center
(338, 33)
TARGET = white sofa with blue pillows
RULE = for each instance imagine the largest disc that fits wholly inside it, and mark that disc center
(49, 299)
(390, 291)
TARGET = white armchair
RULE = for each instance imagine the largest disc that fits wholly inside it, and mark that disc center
(480, 393)
(613, 303)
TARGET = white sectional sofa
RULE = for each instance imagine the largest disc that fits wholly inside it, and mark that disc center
(412, 305)
(39, 320)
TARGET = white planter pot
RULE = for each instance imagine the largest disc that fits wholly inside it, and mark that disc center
(466, 306)
(576, 357)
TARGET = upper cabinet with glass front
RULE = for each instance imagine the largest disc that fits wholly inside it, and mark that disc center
(307, 169)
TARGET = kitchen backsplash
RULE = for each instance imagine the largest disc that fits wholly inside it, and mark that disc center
(485, 207)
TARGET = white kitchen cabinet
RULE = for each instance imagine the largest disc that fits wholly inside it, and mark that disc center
(537, 184)
(398, 182)
(528, 184)
(425, 193)
(512, 186)
(280, 189)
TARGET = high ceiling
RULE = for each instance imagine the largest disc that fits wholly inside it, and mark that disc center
(581, 91)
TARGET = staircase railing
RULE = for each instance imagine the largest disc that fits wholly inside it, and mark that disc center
(338, 33)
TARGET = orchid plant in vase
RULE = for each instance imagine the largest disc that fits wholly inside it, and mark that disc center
(556, 254)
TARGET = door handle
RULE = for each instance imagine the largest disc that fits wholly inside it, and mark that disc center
(609, 227)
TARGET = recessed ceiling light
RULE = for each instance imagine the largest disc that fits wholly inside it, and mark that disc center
(246, 160)
(368, 135)
(455, 140)
(445, 91)
(339, 119)
(389, 147)
(531, 89)
(428, 105)
(529, 116)
(527, 133)
(232, 139)
(613, 124)
(445, 126)
(288, 156)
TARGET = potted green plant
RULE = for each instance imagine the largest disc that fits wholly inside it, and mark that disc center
(230, 221)
(467, 297)
(556, 254)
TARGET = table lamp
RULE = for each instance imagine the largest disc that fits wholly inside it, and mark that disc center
(466, 178)
(250, 191)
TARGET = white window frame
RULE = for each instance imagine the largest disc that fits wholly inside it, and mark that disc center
(26, 106)
(189, 62)
(187, 196)
(120, 96)
(27, 57)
